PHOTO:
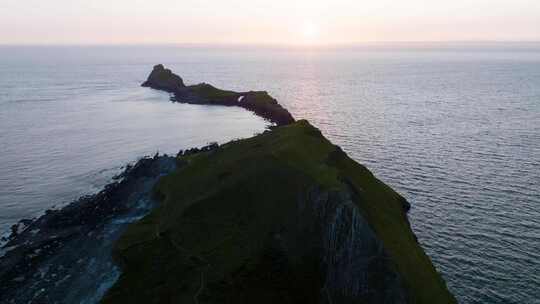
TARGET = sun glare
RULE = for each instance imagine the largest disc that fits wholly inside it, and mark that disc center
(309, 31)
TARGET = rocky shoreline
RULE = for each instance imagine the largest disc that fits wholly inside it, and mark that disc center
(64, 256)
(258, 102)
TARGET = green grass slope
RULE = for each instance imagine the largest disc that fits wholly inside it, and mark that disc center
(208, 241)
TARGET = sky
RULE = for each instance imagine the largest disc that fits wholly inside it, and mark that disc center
(286, 22)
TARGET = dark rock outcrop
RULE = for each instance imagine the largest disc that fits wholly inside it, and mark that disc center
(164, 79)
(259, 102)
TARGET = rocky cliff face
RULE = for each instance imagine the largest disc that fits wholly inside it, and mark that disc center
(284, 217)
(353, 260)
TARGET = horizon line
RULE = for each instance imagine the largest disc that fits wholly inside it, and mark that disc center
(279, 45)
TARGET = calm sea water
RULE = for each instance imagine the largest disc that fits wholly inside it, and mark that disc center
(455, 129)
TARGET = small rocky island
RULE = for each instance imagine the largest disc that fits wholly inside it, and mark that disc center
(259, 102)
(282, 217)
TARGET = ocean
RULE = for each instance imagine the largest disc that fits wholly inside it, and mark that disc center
(455, 128)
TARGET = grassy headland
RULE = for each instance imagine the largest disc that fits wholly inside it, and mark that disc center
(248, 222)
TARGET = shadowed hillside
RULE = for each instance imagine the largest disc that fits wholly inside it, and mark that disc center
(283, 217)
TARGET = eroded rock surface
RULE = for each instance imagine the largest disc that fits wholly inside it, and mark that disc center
(353, 260)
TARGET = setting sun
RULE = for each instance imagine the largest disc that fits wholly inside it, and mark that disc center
(309, 32)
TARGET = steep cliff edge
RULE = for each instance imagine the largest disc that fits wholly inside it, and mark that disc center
(283, 217)
(259, 102)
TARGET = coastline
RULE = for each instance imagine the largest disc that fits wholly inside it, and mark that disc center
(67, 251)
(49, 246)
(458, 146)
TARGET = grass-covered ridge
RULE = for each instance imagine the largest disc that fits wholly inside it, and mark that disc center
(210, 92)
(213, 237)
(259, 102)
